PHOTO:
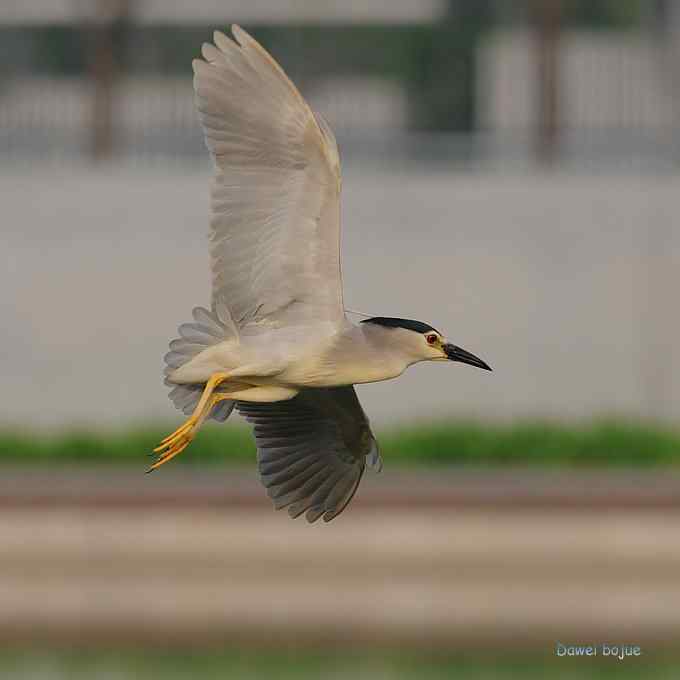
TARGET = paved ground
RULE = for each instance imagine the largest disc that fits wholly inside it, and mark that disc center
(179, 486)
(465, 571)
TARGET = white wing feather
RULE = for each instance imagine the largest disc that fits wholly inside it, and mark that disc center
(275, 230)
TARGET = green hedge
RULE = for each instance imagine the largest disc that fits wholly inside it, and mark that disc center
(339, 664)
(602, 443)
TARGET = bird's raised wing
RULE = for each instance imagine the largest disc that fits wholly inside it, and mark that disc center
(275, 229)
(312, 450)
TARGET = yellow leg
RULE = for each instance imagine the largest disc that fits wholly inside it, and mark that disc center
(175, 443)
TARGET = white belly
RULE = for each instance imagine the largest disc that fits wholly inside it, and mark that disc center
(260, 393)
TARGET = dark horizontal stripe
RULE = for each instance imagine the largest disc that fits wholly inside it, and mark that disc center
(394, 322)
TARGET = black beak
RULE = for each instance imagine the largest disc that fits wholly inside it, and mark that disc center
(459, 354)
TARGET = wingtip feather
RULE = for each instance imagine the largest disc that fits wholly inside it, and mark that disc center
(240, 35)
(210, 52)
(222, 41)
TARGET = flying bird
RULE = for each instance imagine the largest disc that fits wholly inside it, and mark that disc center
(276, 343)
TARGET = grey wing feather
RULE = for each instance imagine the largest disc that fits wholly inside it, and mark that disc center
(208, 328)
(312, 450)
(275, 229)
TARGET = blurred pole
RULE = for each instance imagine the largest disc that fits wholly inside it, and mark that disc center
(105, 18)
(547, 23)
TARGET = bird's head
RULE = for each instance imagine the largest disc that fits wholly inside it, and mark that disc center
(422, 342)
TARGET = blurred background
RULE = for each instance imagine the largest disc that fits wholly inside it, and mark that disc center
(511, 177)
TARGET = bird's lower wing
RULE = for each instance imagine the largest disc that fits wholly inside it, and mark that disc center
(312, 450)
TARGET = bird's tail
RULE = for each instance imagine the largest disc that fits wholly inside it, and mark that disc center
(207, 329)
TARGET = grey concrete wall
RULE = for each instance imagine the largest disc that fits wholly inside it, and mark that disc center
(566, 284)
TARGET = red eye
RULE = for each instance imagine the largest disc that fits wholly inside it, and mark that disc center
(431, 339)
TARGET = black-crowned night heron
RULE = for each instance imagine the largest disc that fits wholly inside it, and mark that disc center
(276, 343)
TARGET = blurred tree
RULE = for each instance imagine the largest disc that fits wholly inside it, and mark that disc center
(604, 13)
(442, 68)
(579, 13)
(56, 51)
(435, 62)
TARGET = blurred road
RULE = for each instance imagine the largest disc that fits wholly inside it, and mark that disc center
(480, 566)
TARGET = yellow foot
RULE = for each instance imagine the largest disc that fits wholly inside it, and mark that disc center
(188, 424)
(175, 443)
